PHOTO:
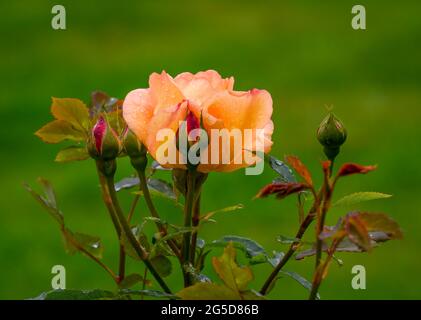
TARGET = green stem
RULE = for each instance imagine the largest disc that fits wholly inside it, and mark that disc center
(111, 210)
(318, 277)
(132, 208)
(327, 196)
(195, 223)
(140, 251)
(188, 213)
(144, 187)
(107, 197)
(294, 246)
(332, 163)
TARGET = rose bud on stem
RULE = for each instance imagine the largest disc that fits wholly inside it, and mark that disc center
(104, 142)
(138, 158)
(104, 146)
(190, 182)
(331, 135)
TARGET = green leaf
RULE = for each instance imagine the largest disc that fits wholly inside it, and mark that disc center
(140, 237)
(102, 102)
(130, 280)
(73, 241)
(47, 201)
(160, 242)
(162, 188)
(155, 166)
(209, 215)
(195, 273)
(346, 245)
(284, 172)
(287, 240)
(69, 294)
(48, 191)
(72, 153)
(277, 257)
(74, 111)
(126, 183)
(254, 251)
(148, 293)
(301, 280)
(90, 243)
(156, 186)
(354, 198)
(59, 130)
(235, 277)
(82, 242)
(208, 291)
(162, 265)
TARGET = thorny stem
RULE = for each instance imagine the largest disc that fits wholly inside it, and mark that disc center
(294, 246)
(188, 212)
(107, 198)
(332, 163)
(327, 195)
(195, 223)
(144, 187)
(108, 188)
(319, 274)
(132, 208)
(110, 206)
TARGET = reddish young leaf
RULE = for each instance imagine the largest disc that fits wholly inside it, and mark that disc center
(357, 231)
(353, 168)
(301, 169)
(281, 190)
(383, 223)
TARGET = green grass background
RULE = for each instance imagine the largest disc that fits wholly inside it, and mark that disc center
(305, 54)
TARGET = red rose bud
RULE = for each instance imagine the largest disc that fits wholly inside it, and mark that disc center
(192, 123)
(331, 135)
(104, 142)
(98, 132)
(353, 168)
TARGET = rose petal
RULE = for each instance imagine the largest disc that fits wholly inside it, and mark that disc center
(164, 91)
(202, 86)
(138, 111)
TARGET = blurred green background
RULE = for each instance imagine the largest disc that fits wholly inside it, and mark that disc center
(305, 54)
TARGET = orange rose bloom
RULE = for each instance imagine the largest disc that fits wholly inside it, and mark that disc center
(206, 96)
